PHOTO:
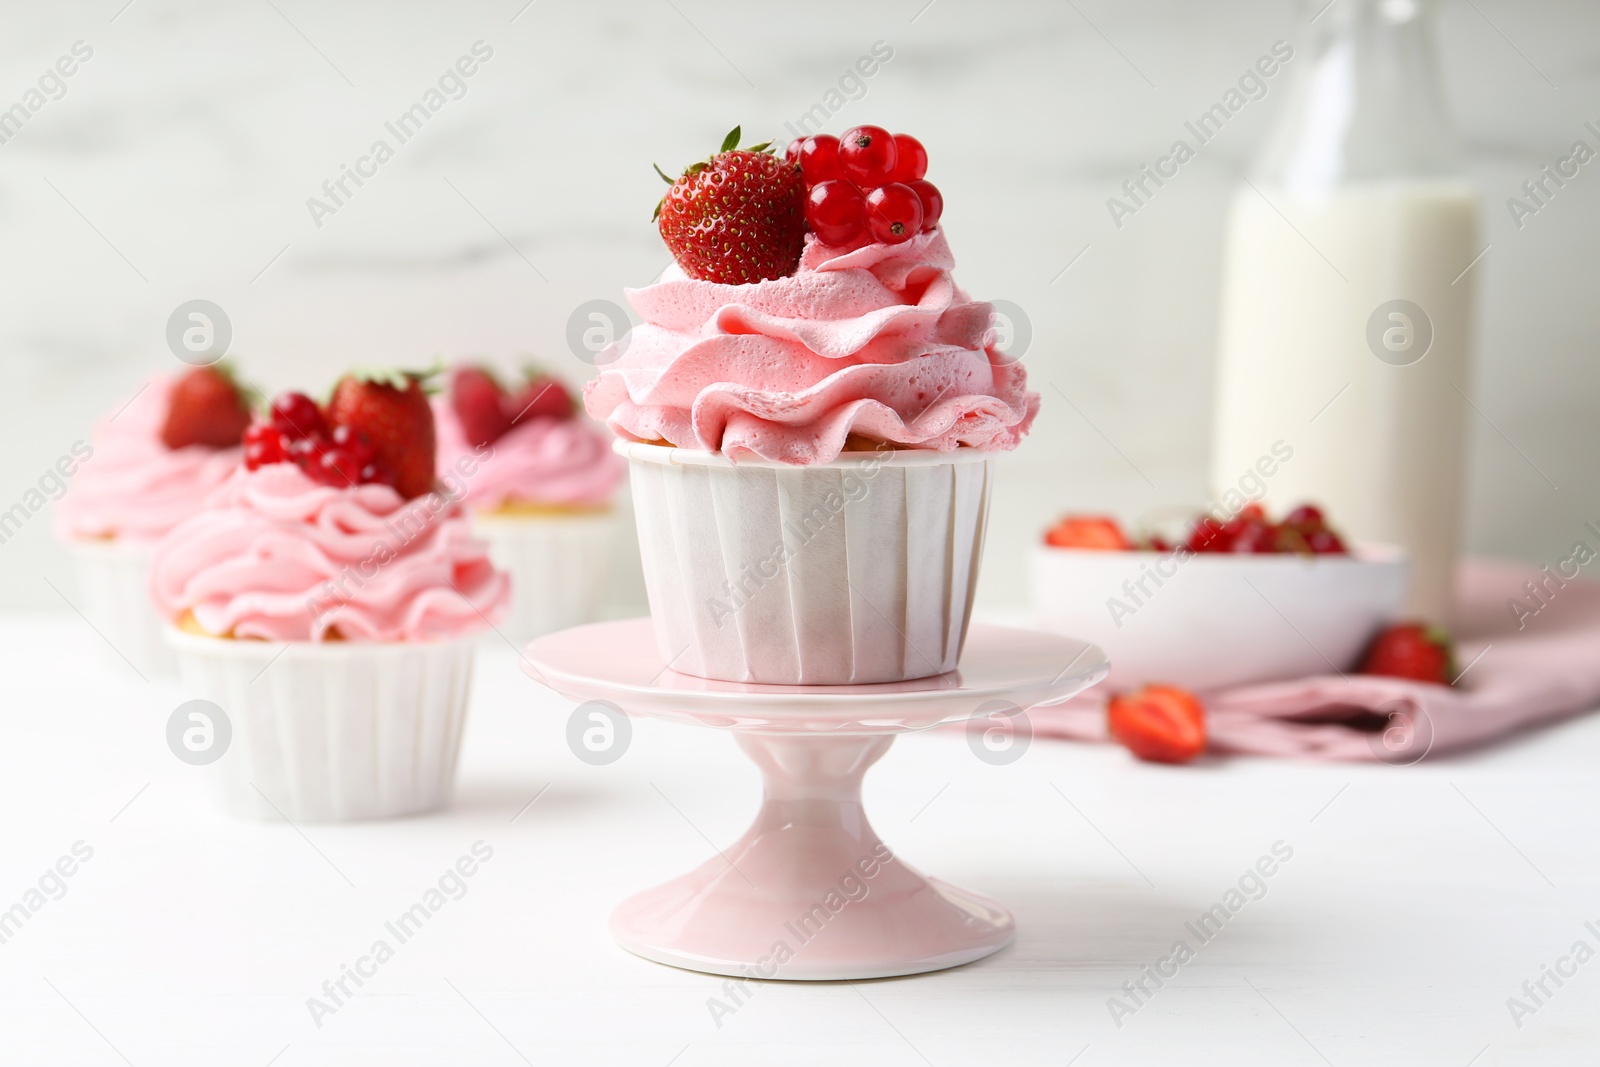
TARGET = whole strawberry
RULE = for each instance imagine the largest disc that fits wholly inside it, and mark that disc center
(391, 411)
(738, 217)
(541, 397)
(207, 408)
(1412, 650)
(479, 405)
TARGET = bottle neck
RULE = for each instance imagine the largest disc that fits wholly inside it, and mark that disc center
(1365, 100)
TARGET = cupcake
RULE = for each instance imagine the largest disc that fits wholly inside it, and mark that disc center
(151, 464)
(538, 480)
(327, 598)
(811, 411)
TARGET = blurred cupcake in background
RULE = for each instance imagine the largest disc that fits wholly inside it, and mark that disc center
(327, 599)
(539, 479)
(153, 461)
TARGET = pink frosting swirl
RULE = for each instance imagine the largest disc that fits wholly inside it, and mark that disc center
(133, 487)
(876, 341)
(540, 461)
(274, 555)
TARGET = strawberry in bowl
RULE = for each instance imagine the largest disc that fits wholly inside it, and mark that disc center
(1228, 600)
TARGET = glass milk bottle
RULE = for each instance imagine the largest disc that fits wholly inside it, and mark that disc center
(1346, 315)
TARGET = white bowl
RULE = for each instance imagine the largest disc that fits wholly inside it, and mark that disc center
(1213, 620)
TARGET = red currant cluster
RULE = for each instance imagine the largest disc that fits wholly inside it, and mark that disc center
(1303, 530)
(867, 180)
(297, 432)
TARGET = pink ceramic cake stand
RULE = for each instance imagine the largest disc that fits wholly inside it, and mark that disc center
(810, 892)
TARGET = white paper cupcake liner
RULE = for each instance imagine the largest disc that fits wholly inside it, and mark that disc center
(857, 571)
(560, 566)
(332, 731)
(114, 595)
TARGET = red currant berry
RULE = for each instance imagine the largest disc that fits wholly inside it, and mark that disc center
(377, 472)
(297, 415)
(819, 159)
(263, 446)
(353, 442)
(910, 159)
(791, 154)
(340, 468)
(932, 202)
(894, 214)
(867, 156)
(307, 453)
(835, 212)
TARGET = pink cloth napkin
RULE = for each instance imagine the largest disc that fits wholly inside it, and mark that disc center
(1517, 672)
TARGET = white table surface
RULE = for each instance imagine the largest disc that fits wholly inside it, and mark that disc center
(1416, 902)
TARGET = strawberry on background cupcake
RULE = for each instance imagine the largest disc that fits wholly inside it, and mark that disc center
(327, 597)
(154, 459)
(811, 408)
(541, 494)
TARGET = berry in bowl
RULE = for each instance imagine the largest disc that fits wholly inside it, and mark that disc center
(1228, 600)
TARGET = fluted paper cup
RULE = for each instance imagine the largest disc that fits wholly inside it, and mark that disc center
(332, 731)
(856, 571)
(560, 566)
(114, 587)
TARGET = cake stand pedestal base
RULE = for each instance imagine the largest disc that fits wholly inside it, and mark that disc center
(810, 892)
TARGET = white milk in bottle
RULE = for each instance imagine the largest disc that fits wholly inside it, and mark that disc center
(1347, 302)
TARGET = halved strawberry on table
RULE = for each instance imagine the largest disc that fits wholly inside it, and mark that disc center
(1158, 723)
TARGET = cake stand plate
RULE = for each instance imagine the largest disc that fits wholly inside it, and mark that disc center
(810, 892)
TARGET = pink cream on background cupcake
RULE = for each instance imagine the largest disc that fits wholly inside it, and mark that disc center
(542, 493)
(811, 420)
(155, 457)
(327, 598)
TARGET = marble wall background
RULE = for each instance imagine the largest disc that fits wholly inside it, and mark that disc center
(179, 160)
